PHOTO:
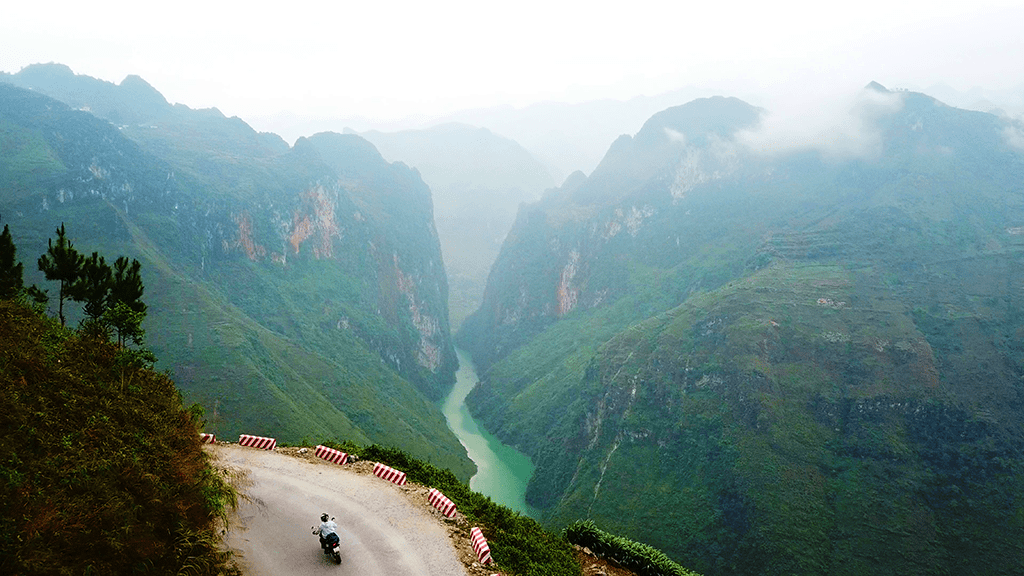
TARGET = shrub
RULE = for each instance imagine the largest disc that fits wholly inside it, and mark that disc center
(640, 558)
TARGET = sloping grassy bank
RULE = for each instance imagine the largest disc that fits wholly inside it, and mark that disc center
(101, 470)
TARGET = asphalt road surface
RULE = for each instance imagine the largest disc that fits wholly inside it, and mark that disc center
(382, 532)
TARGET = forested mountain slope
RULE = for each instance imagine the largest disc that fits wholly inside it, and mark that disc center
(292, 291)
(478, 180)
(804, 360)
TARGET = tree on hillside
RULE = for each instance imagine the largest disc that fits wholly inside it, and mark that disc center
(11, 273)
(64, 264)
(11, 283)
(126, 322)
(126, 310)
(93, 286)
(127, 285)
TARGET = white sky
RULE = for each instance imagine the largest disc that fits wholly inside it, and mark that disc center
(387, 60)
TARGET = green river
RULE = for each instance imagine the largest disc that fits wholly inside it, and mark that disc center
(502, 471)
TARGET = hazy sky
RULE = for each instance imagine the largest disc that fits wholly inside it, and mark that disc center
(386, 60)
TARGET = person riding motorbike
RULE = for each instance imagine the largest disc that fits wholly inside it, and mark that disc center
(328, 532)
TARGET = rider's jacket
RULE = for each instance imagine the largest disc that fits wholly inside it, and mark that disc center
(328, 527)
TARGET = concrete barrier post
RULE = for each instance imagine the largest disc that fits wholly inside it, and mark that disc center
(442, 503)
(205, 438)
(257, 442)
(331, 455)
(483, 551)
(388, 473)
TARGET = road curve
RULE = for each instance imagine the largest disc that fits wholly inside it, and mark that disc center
(382, 532)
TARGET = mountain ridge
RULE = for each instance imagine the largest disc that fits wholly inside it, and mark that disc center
(776, 337)
(273, 245)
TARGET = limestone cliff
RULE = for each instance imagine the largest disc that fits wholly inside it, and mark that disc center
(297, 291)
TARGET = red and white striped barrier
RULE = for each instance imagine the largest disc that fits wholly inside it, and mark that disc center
(205, 438)
(442, 503)
(257, 442)
(330, 454)
(483, 551)
(388, 473)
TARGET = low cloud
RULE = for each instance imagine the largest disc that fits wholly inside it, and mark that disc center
(675, 136)
(1014, 135)
(837, 124)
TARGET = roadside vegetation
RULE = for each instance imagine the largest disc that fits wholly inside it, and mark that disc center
(101, 469)
(642, 559)
(519, 544)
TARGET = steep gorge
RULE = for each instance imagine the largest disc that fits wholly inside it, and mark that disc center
(792, 363)
(293, 291)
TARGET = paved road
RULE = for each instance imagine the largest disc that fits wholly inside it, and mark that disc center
(382, 532)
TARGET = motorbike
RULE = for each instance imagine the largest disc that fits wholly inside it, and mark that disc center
(331, 545)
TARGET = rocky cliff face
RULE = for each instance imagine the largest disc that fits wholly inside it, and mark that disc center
(478, 179)
(317, 255)
(570, 250)
(797, 362)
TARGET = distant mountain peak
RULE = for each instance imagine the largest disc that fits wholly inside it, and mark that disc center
(139, 88)
(47, 69)
(876, 87)
(697, 118)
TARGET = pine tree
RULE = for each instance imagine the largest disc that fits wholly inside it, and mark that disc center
(127, 285)
(94, 285)
(126, 322)
(126, 310)
(38, 295)
(64, 264)
(11, 283)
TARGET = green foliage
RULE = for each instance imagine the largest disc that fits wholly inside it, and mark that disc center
(126, 285)
(101, 469)
(64, 264)
(126, 322)
(11, 282)
(519, 545)
(37, 295)
(640, 558)
(93, 286)
(112, 298)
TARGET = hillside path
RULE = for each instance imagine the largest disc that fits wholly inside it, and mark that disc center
(383, 531)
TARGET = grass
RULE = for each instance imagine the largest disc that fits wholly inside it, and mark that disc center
(101, 470)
